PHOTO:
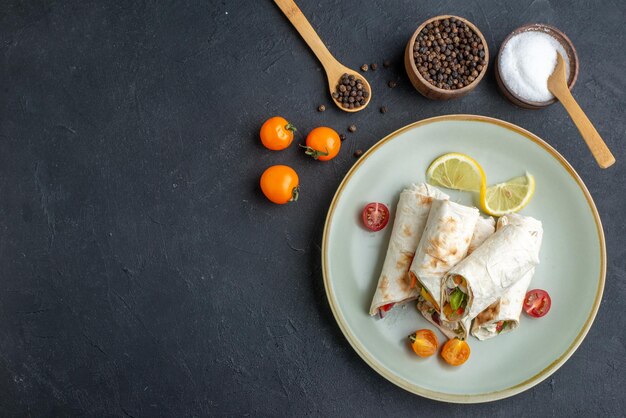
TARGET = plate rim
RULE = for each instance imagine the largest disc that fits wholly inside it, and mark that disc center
(460, 398)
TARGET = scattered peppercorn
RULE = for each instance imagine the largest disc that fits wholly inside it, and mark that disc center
(358, 153)
(364, 67)
(392, 84)
(342, 137)
(351, 92)
(449, 54)
(383, 109)
(374, 66)
(352, 128)
(321, 108)
(386, 63)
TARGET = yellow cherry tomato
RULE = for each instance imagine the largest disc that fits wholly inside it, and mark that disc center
(424, 342)
(455, 352)
(279, 184)
(323, 143)
(277, 133)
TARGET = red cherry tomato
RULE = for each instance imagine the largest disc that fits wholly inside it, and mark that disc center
(375, 216)
(537, 303)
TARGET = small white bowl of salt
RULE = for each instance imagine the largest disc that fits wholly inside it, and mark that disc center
(526, 59)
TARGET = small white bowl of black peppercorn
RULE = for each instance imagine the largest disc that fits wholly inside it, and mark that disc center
(446, 57)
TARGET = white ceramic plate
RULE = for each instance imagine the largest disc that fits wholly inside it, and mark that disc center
(572, 269)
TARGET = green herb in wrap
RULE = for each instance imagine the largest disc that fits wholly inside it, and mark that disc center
(456, 299)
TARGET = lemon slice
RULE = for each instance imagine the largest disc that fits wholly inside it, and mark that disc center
(508, 197)
(456, 171)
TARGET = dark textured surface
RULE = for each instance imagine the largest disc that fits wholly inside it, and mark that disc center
(144, 274)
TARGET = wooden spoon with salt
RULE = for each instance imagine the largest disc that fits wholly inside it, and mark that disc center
(557, 84)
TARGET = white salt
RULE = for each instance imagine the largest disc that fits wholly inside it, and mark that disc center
(528, 59)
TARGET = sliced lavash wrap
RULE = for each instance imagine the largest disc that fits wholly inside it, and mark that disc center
(444, 243)
(483, 277)
(485, 227)
(458, 329)
(503, 315)
(411, 215)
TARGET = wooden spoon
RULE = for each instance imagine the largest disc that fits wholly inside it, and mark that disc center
(557, 84)
(334, 69)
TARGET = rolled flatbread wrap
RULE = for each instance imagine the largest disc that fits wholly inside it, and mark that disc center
(503, 315)
(485, 227)
(411, 215)
(444, 243)
(481, 278)
(457, 329)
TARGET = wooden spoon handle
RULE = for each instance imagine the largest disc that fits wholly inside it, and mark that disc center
(594, 141)
(300, 22)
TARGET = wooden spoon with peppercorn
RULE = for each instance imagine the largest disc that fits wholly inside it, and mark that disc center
(557, 84)
(350, 91)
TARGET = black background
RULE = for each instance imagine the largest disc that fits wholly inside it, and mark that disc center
(144, 274)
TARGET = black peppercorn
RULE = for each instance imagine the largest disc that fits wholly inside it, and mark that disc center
(321, 108)
(352, 128)
(364, 67)
(351, 92)
(358, 153)
(383, 109)
(449, 54)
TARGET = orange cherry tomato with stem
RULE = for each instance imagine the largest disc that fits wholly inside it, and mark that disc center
(277, 133)
(455, 352)
(322, 143)
(279, 184)
(424, 342)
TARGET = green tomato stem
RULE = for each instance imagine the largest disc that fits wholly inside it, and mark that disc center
(295, 193)
(312, 152)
